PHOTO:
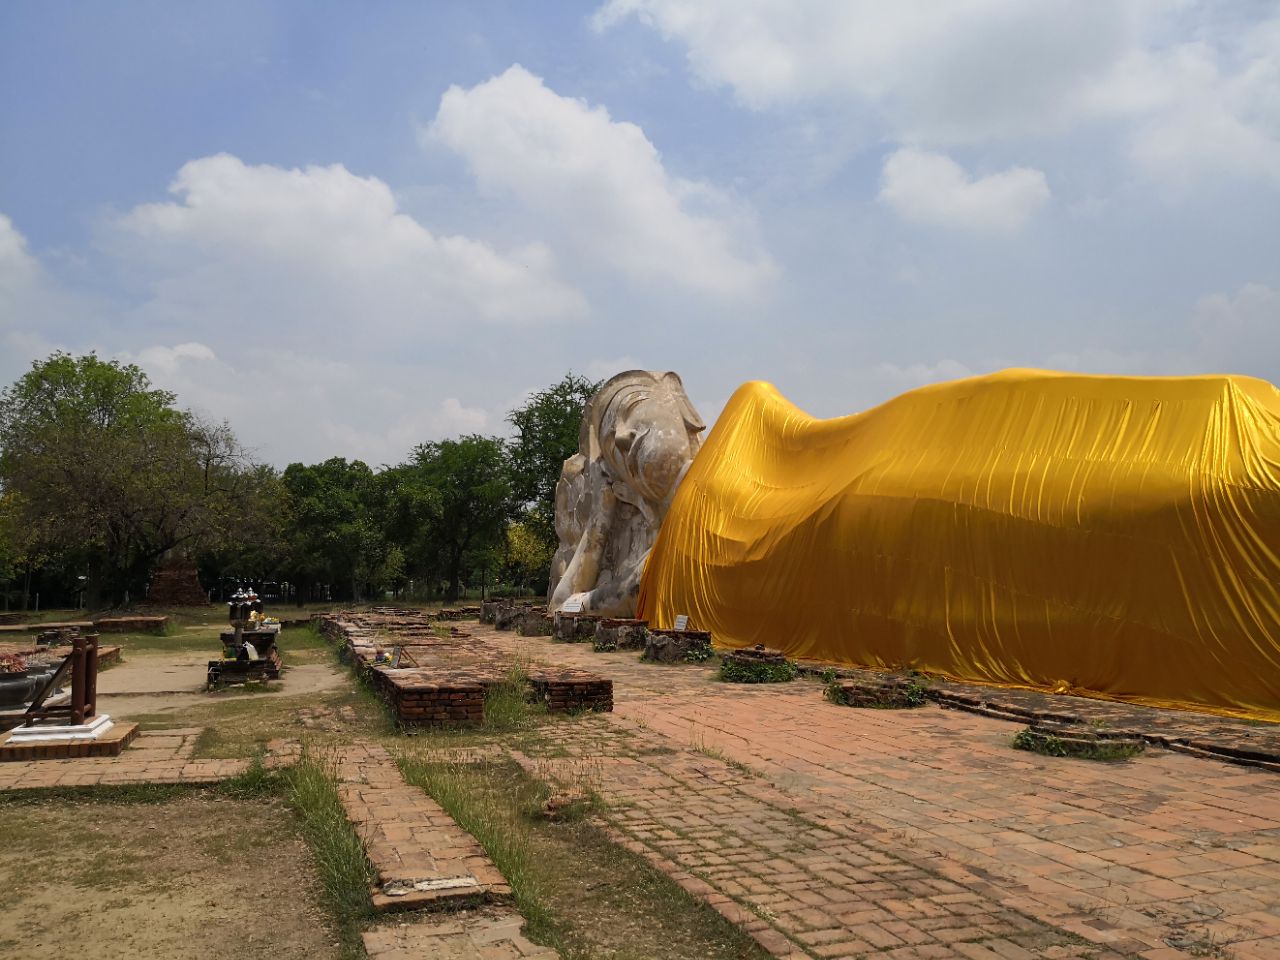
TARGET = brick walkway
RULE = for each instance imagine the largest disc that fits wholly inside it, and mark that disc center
(424, 859)
(831, 831)
(157, 756)
(420, 854)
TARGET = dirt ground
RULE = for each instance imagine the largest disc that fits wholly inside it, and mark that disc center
(166, 675)
(199, 876)
(155, 683)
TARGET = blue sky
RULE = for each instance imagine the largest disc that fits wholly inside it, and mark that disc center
(348, 228)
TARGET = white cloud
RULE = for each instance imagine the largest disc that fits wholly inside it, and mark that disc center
(602, 184)
(974, 70)
(296, 406)
(167, 361)
(962, 70)
(931, 188)
(260, 242)
(1242, 332)
(18, 268)
(1205, 119)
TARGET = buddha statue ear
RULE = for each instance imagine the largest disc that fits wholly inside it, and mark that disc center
(672, 381)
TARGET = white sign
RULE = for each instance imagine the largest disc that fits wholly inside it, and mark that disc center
(682, 622)
(574, 604)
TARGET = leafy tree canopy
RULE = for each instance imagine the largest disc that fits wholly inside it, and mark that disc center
(546, 434)
(462, 491)
(104, 467)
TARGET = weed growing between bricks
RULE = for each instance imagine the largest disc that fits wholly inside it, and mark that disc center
(889, 693)
(345, 872)
(579, 891)
(1051, 745)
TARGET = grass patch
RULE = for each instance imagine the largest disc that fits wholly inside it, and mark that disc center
(507, 705)
(178, 640)
(345, 872)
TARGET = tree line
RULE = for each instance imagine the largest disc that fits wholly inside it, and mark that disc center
(102, 476)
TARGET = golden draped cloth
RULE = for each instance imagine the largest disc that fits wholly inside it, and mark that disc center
(1112, 536)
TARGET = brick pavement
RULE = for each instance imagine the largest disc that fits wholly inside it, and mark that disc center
(423, 859)
(156, 757)
(420, 854)
(491, 933)
(1199, 734)
(832, 831)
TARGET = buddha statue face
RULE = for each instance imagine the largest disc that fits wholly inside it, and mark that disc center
(649, 434)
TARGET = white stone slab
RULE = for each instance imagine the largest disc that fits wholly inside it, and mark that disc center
(62, 733)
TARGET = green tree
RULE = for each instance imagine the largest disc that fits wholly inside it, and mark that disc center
(528, 556)
(107, 468)
(546, 434)
(256, 548)
(455, 496)
(332, 524)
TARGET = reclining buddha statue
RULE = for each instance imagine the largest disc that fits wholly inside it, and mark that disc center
(1112, 536)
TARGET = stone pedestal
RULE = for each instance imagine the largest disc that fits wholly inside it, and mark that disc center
(575, 627)
(507, 613)
(534, 622)
(674, 646)
(489, 610)
(758, 664)
(891, 692)
(614, 633)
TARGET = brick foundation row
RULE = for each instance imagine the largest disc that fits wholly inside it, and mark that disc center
(443, 681)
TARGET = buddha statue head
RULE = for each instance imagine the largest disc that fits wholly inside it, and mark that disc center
(639, 434)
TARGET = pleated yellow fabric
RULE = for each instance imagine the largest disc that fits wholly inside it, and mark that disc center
(1112, 536)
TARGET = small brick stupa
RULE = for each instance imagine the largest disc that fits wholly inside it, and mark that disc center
(175, 583)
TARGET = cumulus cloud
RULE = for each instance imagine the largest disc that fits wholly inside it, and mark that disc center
(261, 242)
(963, 70)
(1204, 118)
(931, 188)
(297, 406)
(975, 70)
(601, 184)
